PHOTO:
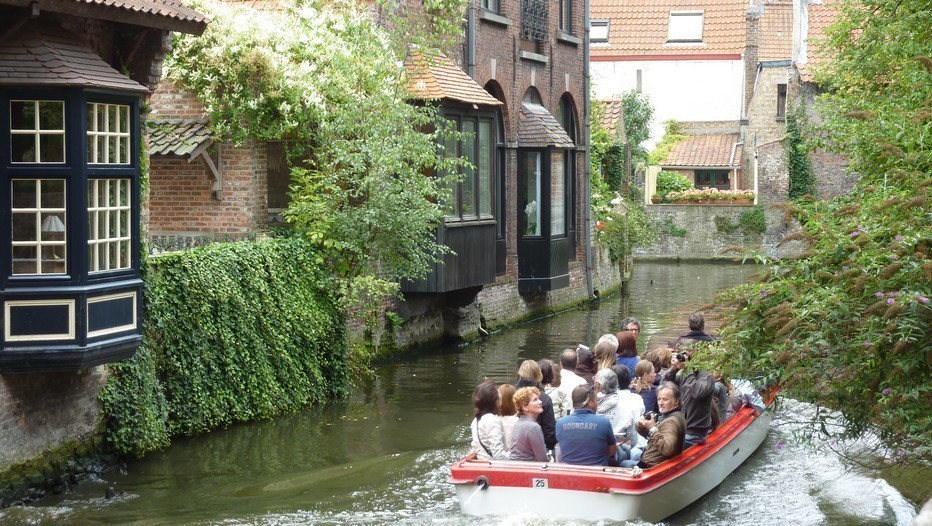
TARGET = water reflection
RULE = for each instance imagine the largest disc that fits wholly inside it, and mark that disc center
(382, 457)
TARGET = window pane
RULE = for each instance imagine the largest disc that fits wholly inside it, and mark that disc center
(24, 260)
(24, 227)
(22, 115)
(685, 27)
(486, 168)
(24, 193)
(124, 150)
(557, 197)
(23, 148)
(52, 115)
(469, 179)
(51, 148)
(450, 152)
(532, 193)
(53, 194)
(124, 119)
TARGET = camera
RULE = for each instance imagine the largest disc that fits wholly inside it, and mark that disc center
(650, 414)
(682, 357)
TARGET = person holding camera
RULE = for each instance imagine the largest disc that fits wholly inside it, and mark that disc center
(665, 431)
(696, 392)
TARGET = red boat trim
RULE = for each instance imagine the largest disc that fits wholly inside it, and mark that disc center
(599, 479)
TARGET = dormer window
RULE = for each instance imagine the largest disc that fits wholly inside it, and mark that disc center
(598, 31)
(685, 27)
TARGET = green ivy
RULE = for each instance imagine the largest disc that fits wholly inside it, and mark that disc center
(802, 181)
(671, 137)
(751, 222)
(670, 228)
(233, 332)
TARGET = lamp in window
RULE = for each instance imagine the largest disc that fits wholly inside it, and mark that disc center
(52, 224)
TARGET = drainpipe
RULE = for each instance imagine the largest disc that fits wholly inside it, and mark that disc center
(586, 156)
(471, 39)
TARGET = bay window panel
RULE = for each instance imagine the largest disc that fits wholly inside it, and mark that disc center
(450, 208)
(557, 196)
(38, 224)
(486, 167)
(469, 172)
(109, 234)
(532, 193)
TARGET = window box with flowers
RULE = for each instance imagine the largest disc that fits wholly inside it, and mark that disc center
(711, 196)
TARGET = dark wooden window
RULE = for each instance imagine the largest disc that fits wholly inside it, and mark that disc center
(566, 16)
(781, 101)
(720, 179)
(473, 196)
(491, 5)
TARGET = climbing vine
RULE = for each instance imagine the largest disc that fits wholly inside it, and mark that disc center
(802, 181)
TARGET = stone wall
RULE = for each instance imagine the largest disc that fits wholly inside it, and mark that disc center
(703, 238)
(830, 170)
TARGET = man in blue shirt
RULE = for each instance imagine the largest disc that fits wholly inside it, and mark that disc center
(585, 437)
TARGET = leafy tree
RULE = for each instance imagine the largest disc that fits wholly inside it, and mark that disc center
(638, 113)
(328, 78)
(847, 325)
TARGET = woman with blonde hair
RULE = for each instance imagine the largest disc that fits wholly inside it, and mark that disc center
(604, 353)
(530, 375)
(507, 412)
(643, 385)
(528, 437)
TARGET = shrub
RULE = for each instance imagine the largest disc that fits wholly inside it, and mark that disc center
(671, 182)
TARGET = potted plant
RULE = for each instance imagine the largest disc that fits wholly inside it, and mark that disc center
(655, 199)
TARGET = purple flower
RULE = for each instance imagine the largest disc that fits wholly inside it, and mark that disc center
(922, 299)
(854, 234)
(899, 239)
(866, 344)
(778, 444)
(900, 453)
(886, 391)
(764, 293)
(894, 257)
(878, 294)
(890, 301)
(846, 267)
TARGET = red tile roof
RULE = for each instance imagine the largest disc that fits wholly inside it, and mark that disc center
(776, 31)
(700, 151)
(437, 77)
(40, 55)
(613, 119)
(640, 27)
(820, 16)
(170, 15)
(538, 129)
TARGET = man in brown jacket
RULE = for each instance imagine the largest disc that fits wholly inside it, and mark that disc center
(664, 432)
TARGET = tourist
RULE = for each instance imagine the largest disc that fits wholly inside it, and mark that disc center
(562, 404)
(696, 391)
(529, 375)
(528, 437)
(585, 363)
(487, 433)
(643, 385)
(631, 325)
(604, 354)
(621, 418)
(696, 333)
(654, 358)
(585, 437)
(627, 354)
(507, 412)
(725, 393)
(633, 403)
(666, 360)
(665, 432)
(568, 377)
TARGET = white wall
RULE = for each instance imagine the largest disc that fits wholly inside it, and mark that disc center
(684, 90)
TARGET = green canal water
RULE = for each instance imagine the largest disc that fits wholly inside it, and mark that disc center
(382, 456)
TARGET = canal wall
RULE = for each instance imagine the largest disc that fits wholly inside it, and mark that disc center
(428, 318)
(715, 233)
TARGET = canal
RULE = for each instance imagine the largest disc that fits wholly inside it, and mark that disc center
(381, 457)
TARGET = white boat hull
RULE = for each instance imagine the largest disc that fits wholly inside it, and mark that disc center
(636, 496)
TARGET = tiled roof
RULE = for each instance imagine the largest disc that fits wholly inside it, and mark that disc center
(613, 119)
(538, 129)
(776, 31)
(714, 151)
(40, 55)
(820, 16)
(437, 77)
(177, 137)
(640, 27)
(170, 15)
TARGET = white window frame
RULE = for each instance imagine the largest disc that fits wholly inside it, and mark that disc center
(37, 131)
(41, 214)
(686, 26)
(599, 30)
(101, 130)
(100, 210)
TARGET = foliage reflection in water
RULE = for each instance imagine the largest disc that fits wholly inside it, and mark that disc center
(382, 457)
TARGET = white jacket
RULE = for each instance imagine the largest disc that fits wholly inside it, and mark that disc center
(489, 429)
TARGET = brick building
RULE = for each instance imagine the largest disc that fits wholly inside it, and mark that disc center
(519, 220)
(70, 169)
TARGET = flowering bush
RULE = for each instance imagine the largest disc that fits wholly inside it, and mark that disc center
(710, 194)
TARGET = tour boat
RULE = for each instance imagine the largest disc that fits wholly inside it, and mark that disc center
(563, 491)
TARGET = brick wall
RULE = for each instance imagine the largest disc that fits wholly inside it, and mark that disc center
(763, 124)
(181, 199)
(829, 169)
